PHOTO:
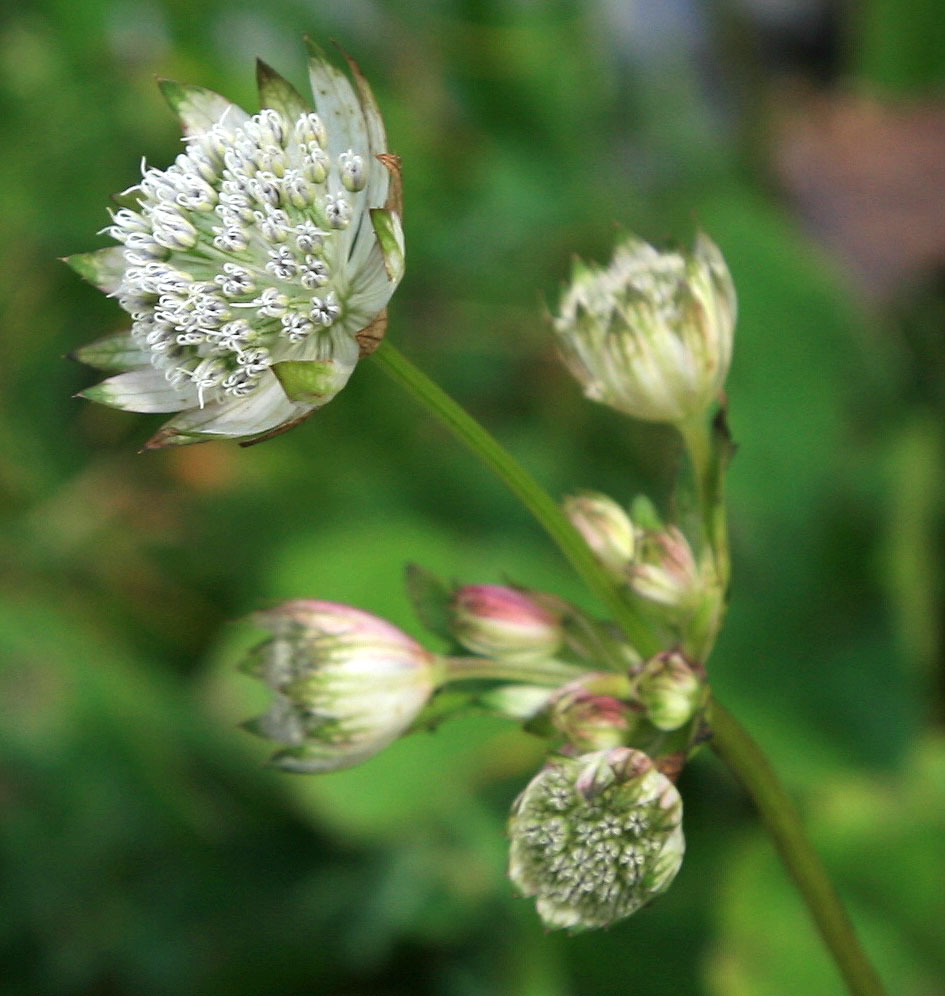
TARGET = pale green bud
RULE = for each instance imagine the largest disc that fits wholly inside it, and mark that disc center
(505, 623)
(346, 684)
(594, 838)
(651, 334)
(257, 267)
(606, 529)
(672, 689)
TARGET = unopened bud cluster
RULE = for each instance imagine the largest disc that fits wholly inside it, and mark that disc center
(598, 832)
(251, 263)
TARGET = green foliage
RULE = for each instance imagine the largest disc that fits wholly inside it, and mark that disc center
(145, 849)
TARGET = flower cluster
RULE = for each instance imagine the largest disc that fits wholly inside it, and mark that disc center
(256, 270)
(257, 266)
(596, 837)
(597, 833)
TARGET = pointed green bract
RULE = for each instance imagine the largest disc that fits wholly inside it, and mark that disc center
(390, 236)
(277, 92)
(113, 352)
(336, 103)
(372, 113)
(199, 108)
(144, 391)
(308, 381)
(431, 598)
(103, 268)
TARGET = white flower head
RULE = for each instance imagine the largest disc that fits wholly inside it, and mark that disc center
(220, 256)
(651, 334)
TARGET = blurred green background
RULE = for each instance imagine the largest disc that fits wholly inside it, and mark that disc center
(144, 848)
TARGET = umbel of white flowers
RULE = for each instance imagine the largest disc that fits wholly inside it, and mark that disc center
(650, 334)
(257, 267)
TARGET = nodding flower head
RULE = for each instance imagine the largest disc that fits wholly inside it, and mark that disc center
(595, 837)
(650, 334)
(257, 267)
(346, 684)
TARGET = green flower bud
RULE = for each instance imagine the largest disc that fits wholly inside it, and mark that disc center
(606, 529)
(672, 689)
(505, 623)
(594, 838)
(256, 268)
(346, 684)
(651, 334)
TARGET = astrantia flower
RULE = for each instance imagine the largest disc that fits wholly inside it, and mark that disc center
(346, 684)
(594, 838)
(651, 334)
(257, 266)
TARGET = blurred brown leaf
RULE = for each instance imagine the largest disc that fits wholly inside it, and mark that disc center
(868, 178)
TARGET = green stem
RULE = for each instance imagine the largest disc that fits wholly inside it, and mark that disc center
(525, 487)
(740, 752)
(730, 741)
(547, 672)
(709, 490)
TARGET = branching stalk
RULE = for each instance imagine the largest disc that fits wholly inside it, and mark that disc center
(730, 741)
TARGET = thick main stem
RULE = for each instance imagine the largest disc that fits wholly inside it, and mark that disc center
(730, 741)
(740, 752)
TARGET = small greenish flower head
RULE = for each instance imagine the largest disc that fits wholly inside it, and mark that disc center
(257, 267)
(672, 689)
(594, 838)
(346, 684)
(650, 334)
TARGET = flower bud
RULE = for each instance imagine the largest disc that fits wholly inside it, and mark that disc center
(651, 334)
(346, 684)
(606, 529)
(672, 689)
(665, 570)
(594, 838)
(592, 711)
(505, 623)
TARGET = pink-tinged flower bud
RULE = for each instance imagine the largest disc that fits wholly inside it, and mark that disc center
(594, 838)
(593, 711)
(505, 623)
(606, 529)
(665, 570)
(346, 684)
(672, 689)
